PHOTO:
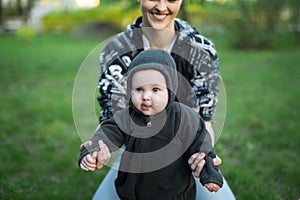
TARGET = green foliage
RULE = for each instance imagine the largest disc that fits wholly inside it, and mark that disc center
(118, 15)
(248, 24)
(61, 21)
(123, 3)
(65, 21)
(256, 23)
(214, 15)
(196, 13)
(25, 33)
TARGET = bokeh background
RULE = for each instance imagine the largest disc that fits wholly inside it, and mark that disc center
(44, 42)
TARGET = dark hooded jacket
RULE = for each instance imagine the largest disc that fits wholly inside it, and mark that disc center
(157, 148)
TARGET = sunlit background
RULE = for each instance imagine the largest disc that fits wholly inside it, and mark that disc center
(62, 3)
(87, 3)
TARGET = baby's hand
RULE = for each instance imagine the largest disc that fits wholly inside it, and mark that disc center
(212, 187)
(88, 162)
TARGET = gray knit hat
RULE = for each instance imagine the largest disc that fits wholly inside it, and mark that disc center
(159, 60)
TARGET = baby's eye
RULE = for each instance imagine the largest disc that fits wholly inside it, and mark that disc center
(155, 89)
(139, 89)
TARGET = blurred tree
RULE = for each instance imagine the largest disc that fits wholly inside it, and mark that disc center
(197, 1)
(132, 4)
(23, 9)
(126, 3)
(28, 7)
(30, 4)
(1, 13)
(19, 7)
(295, 18)
(269, 11)
(257, 22)
(184, 14)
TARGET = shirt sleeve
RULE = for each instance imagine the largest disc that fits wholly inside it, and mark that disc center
(112, 82)
(207, 78)
(211, 173)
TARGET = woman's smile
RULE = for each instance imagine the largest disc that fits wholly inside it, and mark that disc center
(159, 16)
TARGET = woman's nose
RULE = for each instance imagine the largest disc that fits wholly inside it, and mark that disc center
(161, 5)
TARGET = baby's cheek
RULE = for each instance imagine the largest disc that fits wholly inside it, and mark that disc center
(135, 99)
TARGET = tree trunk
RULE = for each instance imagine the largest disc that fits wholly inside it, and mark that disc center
(295, 7)
(30, 4)
(19, 8)
(1, 13)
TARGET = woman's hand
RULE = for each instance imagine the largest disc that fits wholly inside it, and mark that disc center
(103, 155)
(197, 163)
(96, 160)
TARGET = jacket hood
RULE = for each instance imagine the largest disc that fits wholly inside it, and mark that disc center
(180, 26)
(159, 60)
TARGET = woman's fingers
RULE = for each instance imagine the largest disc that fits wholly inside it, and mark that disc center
(196, 162)
(217, 161)
(104, 155)
(85, 145)
(196, 158)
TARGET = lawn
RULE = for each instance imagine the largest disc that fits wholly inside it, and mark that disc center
(39, 143)
(260, 140)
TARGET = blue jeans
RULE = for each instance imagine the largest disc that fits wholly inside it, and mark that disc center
(107, 191)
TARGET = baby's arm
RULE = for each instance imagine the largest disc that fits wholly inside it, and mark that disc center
(210, 176)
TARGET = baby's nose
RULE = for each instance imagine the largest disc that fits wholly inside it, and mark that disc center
(146, 96)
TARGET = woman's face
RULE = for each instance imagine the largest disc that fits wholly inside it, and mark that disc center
(159, 14)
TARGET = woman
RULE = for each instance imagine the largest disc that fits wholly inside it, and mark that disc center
(196, 60)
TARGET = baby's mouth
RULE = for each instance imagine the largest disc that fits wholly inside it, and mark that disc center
(145, 107)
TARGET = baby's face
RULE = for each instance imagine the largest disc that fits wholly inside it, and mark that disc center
(149, 92)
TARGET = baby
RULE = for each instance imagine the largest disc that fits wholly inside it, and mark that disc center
(159, 135)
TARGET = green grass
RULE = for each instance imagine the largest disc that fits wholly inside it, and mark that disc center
(260, 141)
(39, 143)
